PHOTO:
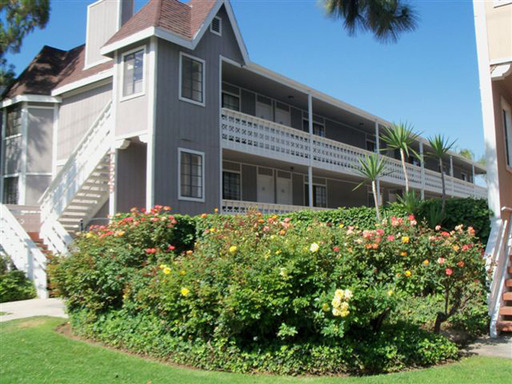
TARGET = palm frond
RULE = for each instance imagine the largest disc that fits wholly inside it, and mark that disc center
(440, 146)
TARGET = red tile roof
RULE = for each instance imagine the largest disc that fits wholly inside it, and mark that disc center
(182, 19)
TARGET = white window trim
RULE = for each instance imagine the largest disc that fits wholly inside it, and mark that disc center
(220, 26)
(500, 3)
(506, 107)
(187, 198)
(142, 48)
(181, 97)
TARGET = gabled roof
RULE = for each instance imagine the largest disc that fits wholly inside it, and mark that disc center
(182, 19)
(41, 75)
(178, 22)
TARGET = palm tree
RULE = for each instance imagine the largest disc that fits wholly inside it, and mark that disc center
(401, 137)
(440, 146)
(372, 166)
(385, 18)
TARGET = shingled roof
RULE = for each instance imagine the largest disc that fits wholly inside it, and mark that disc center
(41, 75)
(182, 19)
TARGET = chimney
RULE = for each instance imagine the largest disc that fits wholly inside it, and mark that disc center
(104, 18)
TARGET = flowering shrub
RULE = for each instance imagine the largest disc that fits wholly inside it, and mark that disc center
(254, 290)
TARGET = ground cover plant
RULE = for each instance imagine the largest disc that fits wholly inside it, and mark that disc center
(276, 294)
(63, 360)
(14, 284)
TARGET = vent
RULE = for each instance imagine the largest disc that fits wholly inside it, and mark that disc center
(265, 171)
(216, 26)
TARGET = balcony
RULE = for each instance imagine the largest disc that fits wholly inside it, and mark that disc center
(252, 135)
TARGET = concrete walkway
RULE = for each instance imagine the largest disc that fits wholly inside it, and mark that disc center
(499, 347)
(30, 308)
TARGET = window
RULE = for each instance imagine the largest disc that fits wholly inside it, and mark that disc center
(230, 102)
(216, 26)
(463, 176)
(191, 176)
(318, 129)
(13, 126)
(319, 195)
(192, 79)
(133, 73)
(507, 126)
(231, 185)
(371, 146)
(11, 190)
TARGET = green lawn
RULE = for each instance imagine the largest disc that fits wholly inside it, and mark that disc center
(32, 352)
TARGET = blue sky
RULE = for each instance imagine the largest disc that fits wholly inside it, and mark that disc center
(429, 78)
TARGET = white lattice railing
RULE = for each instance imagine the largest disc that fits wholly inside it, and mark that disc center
(261, 137)
(23, 252)
(239, 207)
(89, 152)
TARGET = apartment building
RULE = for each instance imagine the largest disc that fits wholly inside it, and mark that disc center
(493, 25)
(165, 107)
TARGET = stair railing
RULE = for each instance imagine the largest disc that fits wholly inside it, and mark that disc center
(23, 252)
(498, 263)
(80, 164)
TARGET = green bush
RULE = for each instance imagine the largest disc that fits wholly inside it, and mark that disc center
(268, 293)
(14, 285)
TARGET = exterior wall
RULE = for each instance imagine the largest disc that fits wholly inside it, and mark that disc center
(35, 187)
(13, 154)
(132, 112)
(131, 177)
(344, 134)
(504, 172)
(342, 194)
(40, 140)
(102, 23)
(180, 124)
(77, 113)
(499, 31)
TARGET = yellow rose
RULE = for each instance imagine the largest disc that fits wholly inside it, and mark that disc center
(456, 248)
(314, 247)
(167, 270)
(408, 273)
(233, 249)
(405, 239)
(185, 291)
(403, 253)
(426, 262)
(390, 292)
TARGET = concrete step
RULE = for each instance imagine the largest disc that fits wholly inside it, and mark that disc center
(508, 283)
(507, 296)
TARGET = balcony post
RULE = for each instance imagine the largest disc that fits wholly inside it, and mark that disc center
(422, 163)
(474, 184)
(310, 168)
(377, 145)
(451, 175)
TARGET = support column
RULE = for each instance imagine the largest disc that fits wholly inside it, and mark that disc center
(451, 175)
(422, 162)
(377, 145)
(474, 183)
(112, 182)
(310, 168)
(150, 161)
(2, 154)
(22, 181)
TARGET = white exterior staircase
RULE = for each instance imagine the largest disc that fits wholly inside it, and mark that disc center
(81, 187)
(499, 259)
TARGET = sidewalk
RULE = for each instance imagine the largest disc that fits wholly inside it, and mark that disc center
(500, 347)
(29, 308)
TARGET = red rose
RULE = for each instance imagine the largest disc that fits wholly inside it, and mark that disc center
(448, 271)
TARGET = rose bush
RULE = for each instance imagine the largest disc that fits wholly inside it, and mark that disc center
(268, 293)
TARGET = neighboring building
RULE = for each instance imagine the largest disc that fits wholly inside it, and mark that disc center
(493, 25)
(165, 107)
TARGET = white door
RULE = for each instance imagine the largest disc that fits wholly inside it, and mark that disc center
(265, 186)
(284, 188)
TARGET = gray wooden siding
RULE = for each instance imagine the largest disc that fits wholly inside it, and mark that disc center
(101, 25)
(36, 185)
(132, 113)
(180, 124)
(131, 177)
(76, 115)
(12, 160)
(40, 135)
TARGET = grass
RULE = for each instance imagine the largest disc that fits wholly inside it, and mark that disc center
(4, 313)
(32, 352)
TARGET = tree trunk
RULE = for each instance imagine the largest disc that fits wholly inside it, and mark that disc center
(404, 167)
(376, 199)
(443, 202)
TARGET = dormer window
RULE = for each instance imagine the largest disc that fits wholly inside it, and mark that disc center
(133, 73)
(216, 26)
